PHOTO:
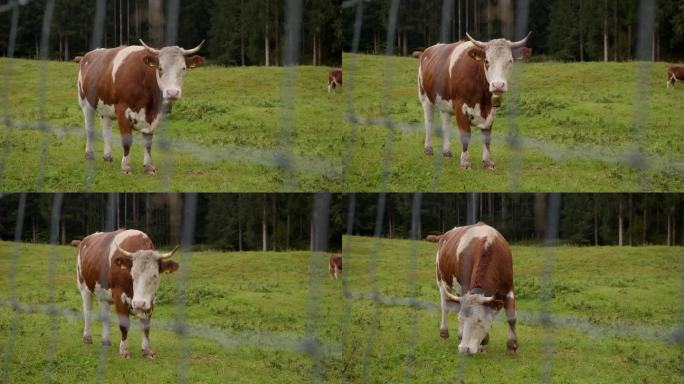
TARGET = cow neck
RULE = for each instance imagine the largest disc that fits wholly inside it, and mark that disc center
(155, 100)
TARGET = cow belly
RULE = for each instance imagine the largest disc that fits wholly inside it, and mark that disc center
(103, 294)
(105, 110)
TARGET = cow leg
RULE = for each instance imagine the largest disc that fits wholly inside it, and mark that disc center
(486, 156)
(335, 272)
(89, 116)
(149, 168)
(146, 348)
(446, 130)
(427, 112)
(126, 129)
(124, 324)
(107, 137)
(509, 305)
(463, 122)
(104, 314)
(87, 309)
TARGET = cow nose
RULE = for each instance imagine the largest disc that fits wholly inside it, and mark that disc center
(138, 304)
(499, 85)
(463, 349)
(173, 93)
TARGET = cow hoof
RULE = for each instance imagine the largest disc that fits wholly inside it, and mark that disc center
(447, 154)
(148, 353)
(444, 333)
(126, 170)
(465, 166)
(106, 343)
(428, 151)
(490, 165)
(150, 169)
(512, 345)
(107, 158)
(87, 339)
(124, 354)
(89, 156)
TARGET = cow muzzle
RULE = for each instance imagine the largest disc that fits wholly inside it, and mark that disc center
(142, 305)
(172, 93)
(498, 87)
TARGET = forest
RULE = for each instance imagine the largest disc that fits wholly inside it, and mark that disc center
(567, 30)
(237, 32)
(279, 222)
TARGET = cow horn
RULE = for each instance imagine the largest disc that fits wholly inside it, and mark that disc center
(124, 252)
(450, 295)
(477, 43)
(164, 256)
(150, 49)
(186, 52)
(522, 42)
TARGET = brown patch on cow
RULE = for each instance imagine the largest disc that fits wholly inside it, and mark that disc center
(417, 54)
(674, 74)
(75, 243)
(194, 61)
(334, 264)
(433, 238)
(334, 77)
(77, 59)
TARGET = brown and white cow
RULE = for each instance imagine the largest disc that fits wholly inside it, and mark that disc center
(433, 238)
(132, 85)
(475, 278)
(334, 265)
(466, 79)
(334, 78)
(674, 74)
(123, 268)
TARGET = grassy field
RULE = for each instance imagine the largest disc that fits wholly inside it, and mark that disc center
(256, 298)
(229, 121)
(619, 304)
(564, 108)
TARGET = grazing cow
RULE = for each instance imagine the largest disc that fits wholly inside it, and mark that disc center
(334, 265)
(466, 79)
(123, 268)
(475, 262)
(75, 243)
(334, 78)
(417, 54)
(674, 74)
(132, 85)
(433, 238)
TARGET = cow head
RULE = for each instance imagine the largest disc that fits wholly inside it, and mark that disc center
(497, 56)
(145, 266)
(475, 318)
(170, 64)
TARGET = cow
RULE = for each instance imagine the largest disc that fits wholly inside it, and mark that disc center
(75, 243)
(131, 84)
(120, 267)
(416, 54)
(674, 74)
(475, 263)
(334, 78)
(334, 265)
(466, 79)
(433, 238)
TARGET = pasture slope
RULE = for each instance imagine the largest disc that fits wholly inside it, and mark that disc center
(223, 133)
(563, 109)
(255, 299)
(615, 306)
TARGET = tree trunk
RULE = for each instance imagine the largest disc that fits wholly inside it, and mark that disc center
(120, 23)
(287, 230)
(66, 47)
(156, 22)
(605, 38)
(404, 44)
(631, 218)
(669, 229)
(263, 226)
(128, 20)
(581, 43)
(267, 47)
(466, 17)
(275, 222)
(595, 222)
(460, 30)
(314, 49)
(620, 224)
(643, 233)
(63, 233)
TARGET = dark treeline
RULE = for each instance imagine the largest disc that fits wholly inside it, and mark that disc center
(238, 32)
(573, 30)
(585, 219)
(230, 222)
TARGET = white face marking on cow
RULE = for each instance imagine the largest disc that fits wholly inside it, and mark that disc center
(170, 72)
(475, 320)
(145, 274)
(121, 57)
(498, 64)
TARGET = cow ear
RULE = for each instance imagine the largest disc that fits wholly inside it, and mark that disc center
(194, 61)
(123, 263)
(477, 54)
(522, 53)
(168, 266)
(151, 61)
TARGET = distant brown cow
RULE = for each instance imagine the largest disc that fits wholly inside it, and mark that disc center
(334, 265)
(416, 54)
(75, 243)
(433, 238)
(123, 268)
(674, 74)
(334, 78)
(476, 264)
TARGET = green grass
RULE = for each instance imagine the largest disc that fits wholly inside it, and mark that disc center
(604, 293)
(222, 109)
(562, 105)
(239, 294)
